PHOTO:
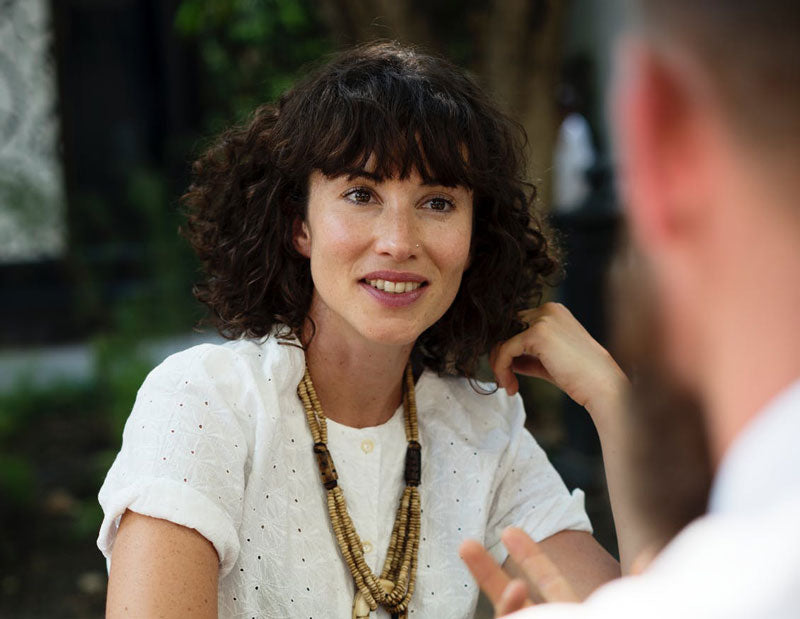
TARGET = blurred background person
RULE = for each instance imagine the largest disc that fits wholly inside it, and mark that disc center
(709, 150)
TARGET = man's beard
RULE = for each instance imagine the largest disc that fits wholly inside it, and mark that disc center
(669, 472)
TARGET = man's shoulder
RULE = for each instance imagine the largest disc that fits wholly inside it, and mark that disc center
(741, 564)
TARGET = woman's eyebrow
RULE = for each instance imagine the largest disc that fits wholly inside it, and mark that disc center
(354, 174)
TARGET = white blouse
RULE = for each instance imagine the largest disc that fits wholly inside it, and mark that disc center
(218, 441)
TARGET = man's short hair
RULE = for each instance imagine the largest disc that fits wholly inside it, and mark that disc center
(751, 50)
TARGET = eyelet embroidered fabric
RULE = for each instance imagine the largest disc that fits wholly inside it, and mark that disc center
(218, 441)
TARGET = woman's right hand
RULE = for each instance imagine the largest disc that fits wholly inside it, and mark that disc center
(557, 348)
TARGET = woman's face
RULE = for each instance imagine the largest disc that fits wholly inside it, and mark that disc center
(386, 257)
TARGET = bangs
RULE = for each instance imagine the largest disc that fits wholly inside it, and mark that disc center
(391, 124)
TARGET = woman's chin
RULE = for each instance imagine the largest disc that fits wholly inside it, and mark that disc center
(392, 335)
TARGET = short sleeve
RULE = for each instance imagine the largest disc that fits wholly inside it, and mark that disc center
(183, 454)
(530, 494)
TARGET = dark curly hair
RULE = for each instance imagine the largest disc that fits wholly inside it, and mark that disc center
(413, 112)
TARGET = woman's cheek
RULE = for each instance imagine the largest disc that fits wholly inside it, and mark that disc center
(343, 236)
(453, 247)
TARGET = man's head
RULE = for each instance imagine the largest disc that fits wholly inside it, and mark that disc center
(707, 127)
(748, 51)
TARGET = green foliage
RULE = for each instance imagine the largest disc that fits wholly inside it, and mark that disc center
(251, 50)
(24, 406)
(150, 278)
(165, 305)
(86, 519)
(24, 415)
(120, 368)
(64, 436)
(16, 479)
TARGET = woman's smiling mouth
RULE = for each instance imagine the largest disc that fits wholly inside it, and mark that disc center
(393, 287)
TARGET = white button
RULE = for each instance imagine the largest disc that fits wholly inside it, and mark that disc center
(367, 547)
(367, 446)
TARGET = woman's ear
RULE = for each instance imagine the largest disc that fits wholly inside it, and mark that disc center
(301, 236)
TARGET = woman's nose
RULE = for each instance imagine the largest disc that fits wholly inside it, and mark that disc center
(397, 234)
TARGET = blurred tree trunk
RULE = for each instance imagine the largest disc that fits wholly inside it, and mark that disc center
(521, 65)
(515, 51)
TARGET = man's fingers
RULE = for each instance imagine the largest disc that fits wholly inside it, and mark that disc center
(540, 571)
(490, 577)
(514, 598)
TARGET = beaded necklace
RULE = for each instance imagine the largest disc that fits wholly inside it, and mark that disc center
(395, 586)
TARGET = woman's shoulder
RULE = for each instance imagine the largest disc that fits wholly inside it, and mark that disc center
(227, 365)
(224, 389)
(475, 408)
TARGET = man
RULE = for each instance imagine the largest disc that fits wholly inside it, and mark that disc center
(707, 123)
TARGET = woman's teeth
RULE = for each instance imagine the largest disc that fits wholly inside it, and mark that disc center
(394, 287)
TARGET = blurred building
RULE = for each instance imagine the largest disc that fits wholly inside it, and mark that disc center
(32, 209)
(90, 91)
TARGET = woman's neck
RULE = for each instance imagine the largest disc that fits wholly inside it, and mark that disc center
(359, 383)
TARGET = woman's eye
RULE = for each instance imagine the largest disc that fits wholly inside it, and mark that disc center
(360, 195)
(440, 205)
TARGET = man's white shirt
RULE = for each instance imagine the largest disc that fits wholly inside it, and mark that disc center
(740, 560)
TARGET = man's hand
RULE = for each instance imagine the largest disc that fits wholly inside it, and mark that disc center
(509, 594)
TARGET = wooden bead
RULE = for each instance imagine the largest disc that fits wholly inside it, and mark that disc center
(413, 463)
(325, 464)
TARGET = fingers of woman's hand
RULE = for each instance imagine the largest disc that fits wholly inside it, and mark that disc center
(490, 577)
(530, 366)
(521, 353)
(514, 598)
(569, 357)
(537, 567)
(502, 361)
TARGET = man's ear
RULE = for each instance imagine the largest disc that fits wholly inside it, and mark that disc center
(301, 236)
(659, 138)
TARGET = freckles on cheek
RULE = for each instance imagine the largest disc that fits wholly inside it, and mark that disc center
(337, 237)
(453, 250)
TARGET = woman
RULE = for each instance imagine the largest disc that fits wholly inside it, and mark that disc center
(365, 241)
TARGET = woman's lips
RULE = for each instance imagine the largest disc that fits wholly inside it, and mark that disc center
(378, 290)
(395, 276)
